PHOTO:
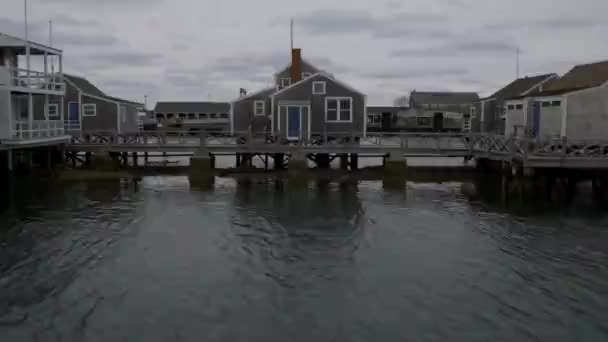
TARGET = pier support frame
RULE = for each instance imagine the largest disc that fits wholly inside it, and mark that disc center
(298, 169)
(395, 170)
(202, 166)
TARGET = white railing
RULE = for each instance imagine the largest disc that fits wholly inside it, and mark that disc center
(22, 78)
(72, 125)
(38, 129)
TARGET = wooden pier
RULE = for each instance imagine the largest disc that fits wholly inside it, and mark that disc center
(516, 151)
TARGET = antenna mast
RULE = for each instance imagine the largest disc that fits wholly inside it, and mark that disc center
(517, 63)
(291, 30)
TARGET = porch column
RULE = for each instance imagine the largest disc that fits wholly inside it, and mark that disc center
(30, 113)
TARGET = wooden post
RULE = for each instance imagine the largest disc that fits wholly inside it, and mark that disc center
(354, 161)
(135, 161)
(10, 165)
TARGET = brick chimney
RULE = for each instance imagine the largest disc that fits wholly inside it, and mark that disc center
(296, 65)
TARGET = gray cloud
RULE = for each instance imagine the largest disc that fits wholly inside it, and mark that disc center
(341, 21)
(464, 48)
(417, 73)
(130, 58)
(39, 32)
(547, 24)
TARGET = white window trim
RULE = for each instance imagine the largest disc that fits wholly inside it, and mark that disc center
(338, 99)
(255, 108)
(319, 83)
(282, 82)
(473, 112)
(85, 105)
(48, 112)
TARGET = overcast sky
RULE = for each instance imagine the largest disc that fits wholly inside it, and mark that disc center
(201, 49)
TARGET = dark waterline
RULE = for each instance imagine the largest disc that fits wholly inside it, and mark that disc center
(160, 260)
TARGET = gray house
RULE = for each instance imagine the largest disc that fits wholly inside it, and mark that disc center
(488, 114)
(574, 106)
(88, 109)
(193, 116)
(304, 103)
(440, 111)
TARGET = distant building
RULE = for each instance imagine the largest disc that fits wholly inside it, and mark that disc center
(304, 102)
(382, 118)
(488, 115)
(440, 111)
(574, 106)
(193, 116)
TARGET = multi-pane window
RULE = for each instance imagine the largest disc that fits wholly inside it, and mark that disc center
(338, 109)
(319, 88)
(89, 109)
(473, 112)
(259, 107)
(519, 107)
(285, 82)
(52, 110)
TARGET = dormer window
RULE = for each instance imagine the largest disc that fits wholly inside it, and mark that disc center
(285, 82)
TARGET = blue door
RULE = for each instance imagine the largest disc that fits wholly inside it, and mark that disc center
(73, 112)
(293, 122)
(536, 124)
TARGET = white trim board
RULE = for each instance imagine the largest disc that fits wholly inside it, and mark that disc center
(539, 84)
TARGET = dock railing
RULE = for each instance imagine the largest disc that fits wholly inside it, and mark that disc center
(38, 129)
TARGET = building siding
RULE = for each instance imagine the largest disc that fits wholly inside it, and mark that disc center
(587, 114)
(303, 93)
(106, 118)
(244, 117)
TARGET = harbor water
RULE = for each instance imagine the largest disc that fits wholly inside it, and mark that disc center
(160, 259)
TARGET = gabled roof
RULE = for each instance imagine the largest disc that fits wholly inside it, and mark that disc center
(88, 88)
(117, 99)
(522, 85)
(84, 85)
(445, 98)
(304, 64)
(7, 41)
(323, 74)
(581, 77)
(192, 107)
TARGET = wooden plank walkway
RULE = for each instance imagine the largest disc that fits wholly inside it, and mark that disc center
(525, 152)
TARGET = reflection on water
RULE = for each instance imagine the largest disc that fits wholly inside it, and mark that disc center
(161, 260)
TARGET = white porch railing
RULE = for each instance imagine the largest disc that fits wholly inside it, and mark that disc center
(35, 80)
(38, 129)
(72, 125)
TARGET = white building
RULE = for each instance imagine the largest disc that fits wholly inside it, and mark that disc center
(30, 73)
(574, 106)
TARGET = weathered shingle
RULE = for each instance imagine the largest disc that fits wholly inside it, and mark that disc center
(581, 77)
(192, 107)
(444, 98)
(84, 85)
(521, 85)
(117, 99)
